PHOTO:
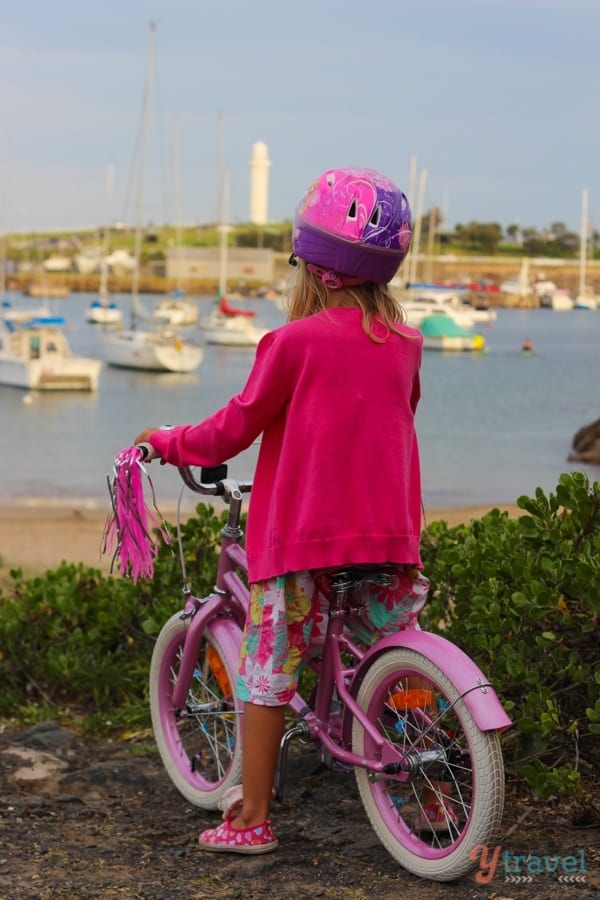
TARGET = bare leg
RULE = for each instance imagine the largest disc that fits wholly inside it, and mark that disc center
(263, 728)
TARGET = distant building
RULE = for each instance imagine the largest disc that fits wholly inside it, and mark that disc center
(259, 184)
(203, 264)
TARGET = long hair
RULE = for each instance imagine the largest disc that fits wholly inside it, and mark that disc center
(309, 296)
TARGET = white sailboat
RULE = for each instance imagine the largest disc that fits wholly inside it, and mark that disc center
(158, 349)
(227, 325)
(176, 309)
(104, 311)
(585, 299)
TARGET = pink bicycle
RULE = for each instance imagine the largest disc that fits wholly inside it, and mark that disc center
(412, 715)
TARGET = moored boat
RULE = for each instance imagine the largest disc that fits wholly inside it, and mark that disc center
(153, 351)
(230, 326)
(442, 333)
(35, 355)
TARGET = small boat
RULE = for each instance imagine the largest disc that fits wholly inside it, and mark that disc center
(445, 303)
(153, 351)
(561, 301)
(442, 333)
(230, 326)
(155, 348)
(176, 310)
(527, 347)
(586, 298)
(35, 355)
(103, 312)
(586, 301)
(43, 290)
(20, 314)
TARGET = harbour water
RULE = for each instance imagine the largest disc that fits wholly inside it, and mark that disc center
(491, 426)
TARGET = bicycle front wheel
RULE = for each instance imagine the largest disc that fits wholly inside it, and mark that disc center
(453, 798)
(201, 744)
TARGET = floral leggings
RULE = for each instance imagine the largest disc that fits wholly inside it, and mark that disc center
(287, 621)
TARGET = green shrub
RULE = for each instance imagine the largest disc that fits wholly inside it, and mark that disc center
(74, 639)
(522, 597)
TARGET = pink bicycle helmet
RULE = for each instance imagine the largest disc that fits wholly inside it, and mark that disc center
(352, 222)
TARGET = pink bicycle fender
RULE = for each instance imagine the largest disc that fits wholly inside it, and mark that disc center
(227, 633)
(478, 694)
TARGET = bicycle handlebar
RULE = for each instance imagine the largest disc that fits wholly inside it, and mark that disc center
(221, 484)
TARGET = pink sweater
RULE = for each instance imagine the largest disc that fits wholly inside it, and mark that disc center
(338, 478)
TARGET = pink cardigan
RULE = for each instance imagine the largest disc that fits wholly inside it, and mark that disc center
(338, 478)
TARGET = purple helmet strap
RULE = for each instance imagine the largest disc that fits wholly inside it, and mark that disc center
(334, 281)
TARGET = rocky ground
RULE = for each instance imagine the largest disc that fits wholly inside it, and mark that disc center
(103, 821)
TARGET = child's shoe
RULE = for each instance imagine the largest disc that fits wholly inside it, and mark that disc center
(225, 839)
(437, 817)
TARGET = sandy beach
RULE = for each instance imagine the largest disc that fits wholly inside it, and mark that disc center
(38, 536)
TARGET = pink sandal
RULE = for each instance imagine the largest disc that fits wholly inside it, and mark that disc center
(226, 839)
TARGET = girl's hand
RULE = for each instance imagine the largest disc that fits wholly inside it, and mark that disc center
(144, 437)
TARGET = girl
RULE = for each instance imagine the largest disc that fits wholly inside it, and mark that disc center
(334, 393)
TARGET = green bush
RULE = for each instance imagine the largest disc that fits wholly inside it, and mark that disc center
(522, 597)
(76, 640)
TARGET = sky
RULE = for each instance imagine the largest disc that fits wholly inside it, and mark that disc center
(491, 106)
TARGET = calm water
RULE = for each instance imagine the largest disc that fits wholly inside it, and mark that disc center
(491, 427)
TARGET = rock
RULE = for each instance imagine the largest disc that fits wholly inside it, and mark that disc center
(586, 444)
(32, 771)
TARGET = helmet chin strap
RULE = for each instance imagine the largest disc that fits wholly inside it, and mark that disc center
(334, 281)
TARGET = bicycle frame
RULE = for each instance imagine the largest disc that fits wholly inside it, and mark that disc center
(229, 603)
(411, 715)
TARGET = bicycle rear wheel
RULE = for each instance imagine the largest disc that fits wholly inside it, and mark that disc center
(456, 769)
(201, 744)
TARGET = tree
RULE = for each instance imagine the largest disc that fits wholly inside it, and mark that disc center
(484, 236)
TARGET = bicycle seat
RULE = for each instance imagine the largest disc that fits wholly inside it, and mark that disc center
(350, 577)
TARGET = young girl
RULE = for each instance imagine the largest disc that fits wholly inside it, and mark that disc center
(333, 393)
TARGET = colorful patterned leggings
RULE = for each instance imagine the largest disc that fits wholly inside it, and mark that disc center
(287, 621)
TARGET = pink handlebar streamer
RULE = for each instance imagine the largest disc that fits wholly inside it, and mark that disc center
(130, 530)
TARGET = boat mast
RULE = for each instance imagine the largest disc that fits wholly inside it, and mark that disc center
(223, 183)
(178, 208)
(4, 206)
(137, 252)
(110, 181)
(583, 241)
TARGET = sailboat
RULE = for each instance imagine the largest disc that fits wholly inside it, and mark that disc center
(225, 324)
(585, 298)
(176, 309)
(159, 349)
(104, 311)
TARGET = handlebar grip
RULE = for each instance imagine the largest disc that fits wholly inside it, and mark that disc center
(148, 451)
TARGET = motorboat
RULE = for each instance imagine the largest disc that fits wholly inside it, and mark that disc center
(35, 355)
(451, 305)
(230, 326)
(441, 332)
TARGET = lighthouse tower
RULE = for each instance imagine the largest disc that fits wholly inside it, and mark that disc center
(259, 183)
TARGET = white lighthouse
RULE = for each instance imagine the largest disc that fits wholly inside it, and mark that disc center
(259, 183)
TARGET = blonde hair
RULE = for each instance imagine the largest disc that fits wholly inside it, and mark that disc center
(309, 296)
